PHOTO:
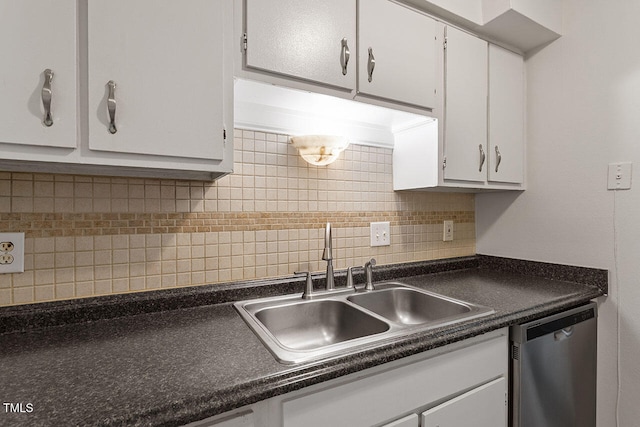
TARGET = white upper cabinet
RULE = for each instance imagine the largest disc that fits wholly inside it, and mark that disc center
(154, 87)
(479, 143)
(465, 107)
(36, 36)
(313, 46)
(313, 40)
(506, 116)
(167, 77)
(396, 53)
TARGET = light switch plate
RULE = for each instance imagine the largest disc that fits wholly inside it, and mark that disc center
(447, 232)
(619, 176)
(380, 233)
(11, 253)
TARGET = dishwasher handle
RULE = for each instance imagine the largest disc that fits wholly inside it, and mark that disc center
(563, 334)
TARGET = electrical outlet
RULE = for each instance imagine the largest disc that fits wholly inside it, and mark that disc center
(6, 258)
(380, 233)
(6, 246)
(11, 253)
(447, 233)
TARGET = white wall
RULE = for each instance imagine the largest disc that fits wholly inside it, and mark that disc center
(583, 113)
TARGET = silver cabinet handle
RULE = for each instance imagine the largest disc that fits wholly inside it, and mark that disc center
(371, 64)
(344, 56)
(111, 106)
(482, 157)
(46, 97)
(498, 158)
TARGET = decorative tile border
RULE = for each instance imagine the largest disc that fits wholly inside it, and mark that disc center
(99, 224)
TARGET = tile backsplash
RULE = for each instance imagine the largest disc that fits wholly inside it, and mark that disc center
(90, 235)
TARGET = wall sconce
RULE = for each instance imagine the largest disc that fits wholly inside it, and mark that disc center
(319, 150)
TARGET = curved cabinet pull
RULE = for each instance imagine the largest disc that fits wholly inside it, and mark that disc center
(498, 158)
(111, 106)
(344, 56)
(46, 97)
(482, 157)
(371, 64)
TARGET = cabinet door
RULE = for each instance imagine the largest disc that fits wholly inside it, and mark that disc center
(506, 116)
(465, 116)
(34, 37)
(303, 39)
(484, 406)
(165, 58)
(396, 53)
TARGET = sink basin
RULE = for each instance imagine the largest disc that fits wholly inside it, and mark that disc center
(408, 306)
(343, 321)
(310, 325)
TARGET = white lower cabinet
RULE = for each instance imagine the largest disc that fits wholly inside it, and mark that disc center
(448, 385)
(373, 397)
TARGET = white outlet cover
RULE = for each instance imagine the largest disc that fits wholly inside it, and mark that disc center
(380, 233)
(17, 252)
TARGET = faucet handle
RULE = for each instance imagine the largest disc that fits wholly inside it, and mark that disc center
(308, 286)
(368, 271)
(350, 284)
(327, 254)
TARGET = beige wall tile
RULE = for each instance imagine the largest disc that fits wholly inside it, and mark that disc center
(100, 235)
(23, 295)
(45, 293)
(5, 297)
(86, 289)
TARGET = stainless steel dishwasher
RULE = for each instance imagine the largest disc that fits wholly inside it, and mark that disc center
(553, 376)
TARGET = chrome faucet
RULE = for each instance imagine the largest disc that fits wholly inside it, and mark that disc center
(327, 255)
(368, 270)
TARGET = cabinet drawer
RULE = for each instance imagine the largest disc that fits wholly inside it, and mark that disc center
(470, 408)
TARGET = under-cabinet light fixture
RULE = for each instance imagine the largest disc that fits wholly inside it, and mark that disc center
(319, 150)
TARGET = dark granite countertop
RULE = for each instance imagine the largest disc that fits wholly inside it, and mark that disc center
(192, 361)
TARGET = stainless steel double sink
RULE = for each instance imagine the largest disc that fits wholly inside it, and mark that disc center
(339, 322)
